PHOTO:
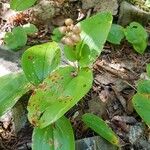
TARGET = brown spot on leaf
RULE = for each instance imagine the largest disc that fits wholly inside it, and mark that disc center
(30, 57)
(34, 122)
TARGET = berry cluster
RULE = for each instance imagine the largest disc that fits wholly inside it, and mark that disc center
(71, 33)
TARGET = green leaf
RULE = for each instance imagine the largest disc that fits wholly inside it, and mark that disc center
(144, 87)
(116, 34)
(148, 69)
(38, 61)
(57, 94)
(16, 39)
(94, 32)
(58, 136)
(13, 86)
(100, 127)
(70, 53)
(137, 36)
(84, 58)
(57, 36)
(30, 29)
(20, 5)
(141, 103)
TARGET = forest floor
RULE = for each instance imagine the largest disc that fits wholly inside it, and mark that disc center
(116, 73)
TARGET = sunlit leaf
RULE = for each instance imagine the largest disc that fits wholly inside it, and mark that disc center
(59, 92)
(38, 61)
(147, 3)
(58, 136)
(94, 32)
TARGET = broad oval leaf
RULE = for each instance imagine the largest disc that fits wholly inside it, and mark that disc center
(38, 61)
(100, 127)
(16, 39)
(13, 86)
(137, 36)
(20, 5)
(116, 34)
(30, 28)
(94, 32)
(58, 136)
(141, 104)
(144, 87)
(57, 94)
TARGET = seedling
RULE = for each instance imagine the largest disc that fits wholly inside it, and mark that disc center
(18, 37)
(135, 34)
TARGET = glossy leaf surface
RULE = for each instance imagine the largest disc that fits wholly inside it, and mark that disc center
(94, 32)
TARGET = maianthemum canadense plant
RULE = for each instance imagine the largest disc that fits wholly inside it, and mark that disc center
(57, 88)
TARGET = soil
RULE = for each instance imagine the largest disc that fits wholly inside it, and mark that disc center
(116, 73)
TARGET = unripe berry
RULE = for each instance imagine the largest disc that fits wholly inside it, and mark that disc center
(76, 30)
(69, 28)
(69, 34)
(63, 40)
(63, 29)
(68, 22)
(68, 41)
(75, 37)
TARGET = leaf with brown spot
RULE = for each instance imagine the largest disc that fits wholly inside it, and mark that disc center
(38, 61)
(60, 95)
(58, 136)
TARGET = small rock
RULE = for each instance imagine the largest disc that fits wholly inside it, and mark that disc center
(94, 143)
(135, 132)
(101, 5)
(126, 119)
(129, 13)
